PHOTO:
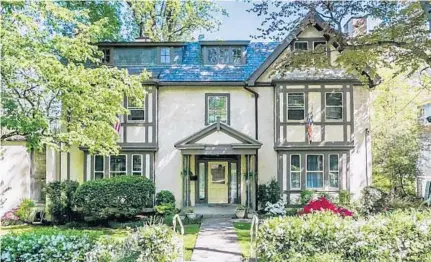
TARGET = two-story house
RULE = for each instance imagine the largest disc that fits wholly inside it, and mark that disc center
(219, 119)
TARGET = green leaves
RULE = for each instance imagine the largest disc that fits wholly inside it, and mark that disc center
(52, 91)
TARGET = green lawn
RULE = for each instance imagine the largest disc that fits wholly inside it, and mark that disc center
(243, 232)
(190, 234)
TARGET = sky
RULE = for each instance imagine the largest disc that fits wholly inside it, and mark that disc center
(239, 25)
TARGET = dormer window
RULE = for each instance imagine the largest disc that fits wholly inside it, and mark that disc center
(225, 55)
(106, 58)
(301, 45)
(165, 55)
(317, 43)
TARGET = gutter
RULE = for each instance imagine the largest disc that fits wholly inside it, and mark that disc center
(256, 122)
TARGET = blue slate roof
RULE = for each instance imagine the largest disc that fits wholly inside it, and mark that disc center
(192, 68)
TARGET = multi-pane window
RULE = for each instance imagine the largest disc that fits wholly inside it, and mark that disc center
(334, 106)
(217, 107)
(314, 171)
(333, 170)
(295, 171)
(118, 165)
(299, 45)
(178, 55)
(316, 44)
(165, 55)
(99, 167)
(137, 112)
(295, 106)
(236, 55)
(224, 55)
(137, 164)
(106, 58)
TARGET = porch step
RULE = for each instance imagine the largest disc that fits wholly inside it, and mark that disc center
(216, 215)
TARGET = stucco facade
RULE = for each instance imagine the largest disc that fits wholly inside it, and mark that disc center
(213, 128)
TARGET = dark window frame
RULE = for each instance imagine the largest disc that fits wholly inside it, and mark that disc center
(207, 96)
(300, 42)
(295, 107)
(332, 106)
(134, 108)
(230, 53)
(110, 55)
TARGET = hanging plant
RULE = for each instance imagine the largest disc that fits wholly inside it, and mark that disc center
(189, 173)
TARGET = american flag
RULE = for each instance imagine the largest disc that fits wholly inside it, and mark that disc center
(309, 125)
(117, 125)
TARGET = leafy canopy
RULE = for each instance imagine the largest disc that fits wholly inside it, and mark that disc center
(51, 90)
(401, 37)
(174, 20)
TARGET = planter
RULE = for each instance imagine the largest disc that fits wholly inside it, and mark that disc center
(250, 215)
(240, 213)
(191, 215)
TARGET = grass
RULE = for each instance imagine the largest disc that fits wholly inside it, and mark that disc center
(190, 236)
(243, 233)
(190, 233)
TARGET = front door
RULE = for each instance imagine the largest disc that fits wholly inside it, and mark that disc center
(218, 182)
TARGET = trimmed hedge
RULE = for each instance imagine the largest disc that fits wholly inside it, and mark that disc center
(398, 236)
(60, 200)
(52, 245)
(117, 197)
(165, 197)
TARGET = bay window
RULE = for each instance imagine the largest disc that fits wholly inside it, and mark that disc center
(295, 106)
(314, 171)
(334, 106)
(118, 165)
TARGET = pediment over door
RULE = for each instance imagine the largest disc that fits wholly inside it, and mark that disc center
(218, 139)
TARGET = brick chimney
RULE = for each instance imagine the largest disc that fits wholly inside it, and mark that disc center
(356, 26)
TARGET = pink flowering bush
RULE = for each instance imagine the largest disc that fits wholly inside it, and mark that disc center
(323, 204)
(10, 218)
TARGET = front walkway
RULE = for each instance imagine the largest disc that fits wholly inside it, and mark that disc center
(217, 241)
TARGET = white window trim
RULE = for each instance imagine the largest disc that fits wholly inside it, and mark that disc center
(326, 42)
(329, 170)
(323, 171)
(142, 164)
(342, 107)
(94, 166)
(290, 172)
(116, 172)
(294, 48)
(130, 108)
(226, 107)
(287, 108)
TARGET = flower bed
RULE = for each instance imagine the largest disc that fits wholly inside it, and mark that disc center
(323, 204)
(399, 236)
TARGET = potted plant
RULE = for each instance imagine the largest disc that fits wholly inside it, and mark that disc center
(250, 213)
(190, 213)
(240, 211)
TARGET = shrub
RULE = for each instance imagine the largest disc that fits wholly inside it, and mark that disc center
(24, 210)
(269, 192)
(60, 200)
(277, 209)
(45, 247)
(148, 243)
(399, 236)
(306, 196)
(373, 200)
(165, 197)
(165, 209)
(344, 197)
(10, 218)
(323, 204)
(117, 197)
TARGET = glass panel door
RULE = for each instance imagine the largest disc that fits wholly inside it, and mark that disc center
(233, 197)
(201, 180)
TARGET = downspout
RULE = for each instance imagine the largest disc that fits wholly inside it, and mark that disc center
(156, 85)
(367, 133)
(256, 128)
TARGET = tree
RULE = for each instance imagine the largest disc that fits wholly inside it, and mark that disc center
(395, 130)
(53, 90)
(174, 20)
(400, 39)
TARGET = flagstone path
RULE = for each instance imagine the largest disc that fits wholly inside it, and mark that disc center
(217, 241)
